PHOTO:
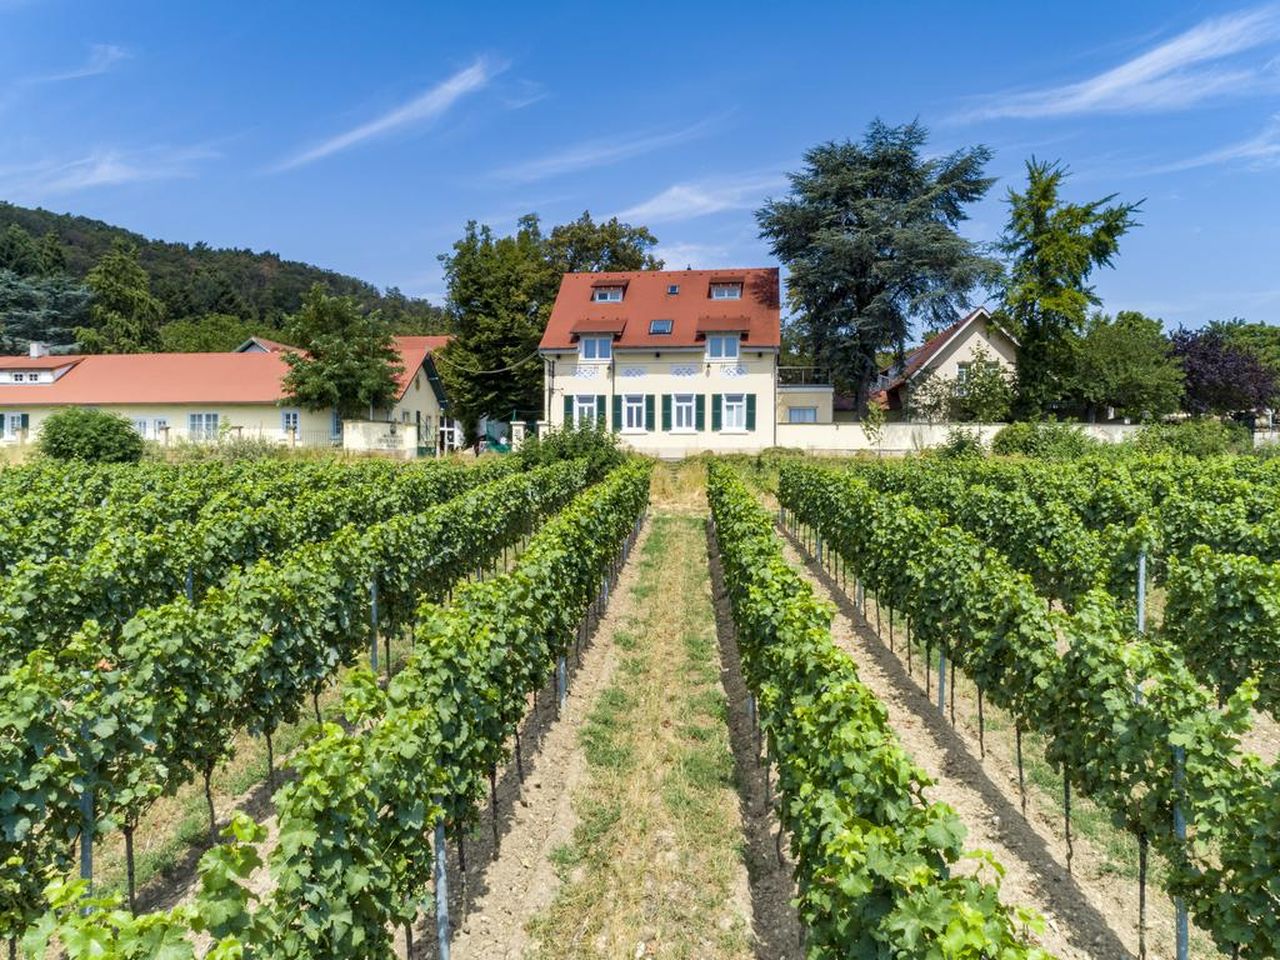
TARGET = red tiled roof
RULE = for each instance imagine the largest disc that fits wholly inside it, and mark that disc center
(272, 346)
(154, 378)
(723, 324)
(600, 325)
(917, 358)
(50, 362)
(757, 313)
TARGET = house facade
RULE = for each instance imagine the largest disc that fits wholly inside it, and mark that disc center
(674, 361)
(202, 397)
(949, 355)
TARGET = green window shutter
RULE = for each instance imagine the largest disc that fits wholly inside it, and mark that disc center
(650, 422)
(700, 412)
(751, 411)
(715, 412)
(666, 413)
(24, 421)
(617, 412)
(568, 410)
(599, 410)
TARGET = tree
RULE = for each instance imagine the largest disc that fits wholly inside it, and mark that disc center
(19, 252)
(124, 316)
(986, 394)
(94, 436)
(1054, 247)
(1260, 339)
(48, 309)
(1220, 378)
(869, 236)
(501, 290)
(1126, 363)
(212, 333)
(351, 363)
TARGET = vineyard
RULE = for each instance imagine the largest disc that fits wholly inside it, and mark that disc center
(424, 626)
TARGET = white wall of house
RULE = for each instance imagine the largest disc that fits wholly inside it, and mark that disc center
(797, 403)
(249, 420)
(677, 374)
(963, 349)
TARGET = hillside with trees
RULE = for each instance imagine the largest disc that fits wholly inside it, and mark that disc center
(208, 298)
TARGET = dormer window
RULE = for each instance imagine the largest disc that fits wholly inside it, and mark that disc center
(660, 327)
(595, 349)
(726, 291)
(607, 294)
(722, 346)
(673, 289)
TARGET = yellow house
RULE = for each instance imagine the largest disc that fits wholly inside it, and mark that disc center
(675, 362)
(206, 396)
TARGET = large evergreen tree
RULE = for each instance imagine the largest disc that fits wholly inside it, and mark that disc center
(351, 363)
(868, 235)
(1054, 246)
(124, 316)
(501, 290)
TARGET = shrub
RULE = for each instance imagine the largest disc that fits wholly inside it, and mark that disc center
(1199, 437)
(597, 445)
(961, 443)
(1044, 440)
(93, 436)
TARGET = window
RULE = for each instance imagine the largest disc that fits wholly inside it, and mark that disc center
(607, 294)
(962, 379)
(161, 427)
(683, 408)
(595, 348)
(660, 326)
(584, 409)
(722, 346)
(14, 425)
(802, 415)
(726, 291)
(335, 426)
(633, 412)
(202, 426)
(673, 289)
(735, 411)
(140, 426)
(290, 422)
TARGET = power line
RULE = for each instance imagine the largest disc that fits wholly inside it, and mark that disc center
(485, 373)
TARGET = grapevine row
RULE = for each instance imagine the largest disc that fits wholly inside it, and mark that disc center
(131, 717)
(874, 857)
(1138, 756)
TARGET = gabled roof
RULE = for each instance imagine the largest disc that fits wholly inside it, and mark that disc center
(263, 345)
(920, 357)
(691, 311)
(241, 376)
(47, 362)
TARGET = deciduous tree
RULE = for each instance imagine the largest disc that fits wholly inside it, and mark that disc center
(1221, 378)
(868, 234)
(1127, 363)
(350, 364)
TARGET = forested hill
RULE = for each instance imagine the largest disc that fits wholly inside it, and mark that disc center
(193, 282)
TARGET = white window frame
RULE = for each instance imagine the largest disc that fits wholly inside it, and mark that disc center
(607, 295)
(726, 291)
(600, 351)
(11, 425)
(806, 415)
(584, 409)
(733, 418)
(962, 379)
(160, 425)
(140, 425)
(723, 347)
(673, 289)
(684, 407)
(286, 427)
(669, 324)
(633, 419)
(203, 426)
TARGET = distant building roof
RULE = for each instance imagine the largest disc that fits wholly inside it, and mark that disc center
(647, 297)
(242, 376)
(919, 358)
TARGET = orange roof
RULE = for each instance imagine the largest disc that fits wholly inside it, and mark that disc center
(47, 362)
(151, 378)
(691, 310)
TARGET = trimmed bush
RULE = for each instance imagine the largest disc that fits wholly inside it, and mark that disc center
(1045, 440)
(91, 436)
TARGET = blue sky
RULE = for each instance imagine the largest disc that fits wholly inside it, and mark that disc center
(362, 136)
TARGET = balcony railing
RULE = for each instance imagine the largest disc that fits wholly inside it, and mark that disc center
(803, 377)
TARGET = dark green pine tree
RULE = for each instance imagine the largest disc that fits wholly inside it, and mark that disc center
(869, 237)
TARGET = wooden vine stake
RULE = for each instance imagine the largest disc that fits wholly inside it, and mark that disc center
(1022, 785)
(442, 892)
(1066, 812)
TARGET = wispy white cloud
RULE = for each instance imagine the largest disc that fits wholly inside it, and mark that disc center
(599, 153)
(696, 256)
(101, 167)
(1198, 65)
(102, 57)
(685, 201)
(1258, 152)
(427, 106)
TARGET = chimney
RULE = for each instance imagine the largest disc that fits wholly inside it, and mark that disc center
(39, 349)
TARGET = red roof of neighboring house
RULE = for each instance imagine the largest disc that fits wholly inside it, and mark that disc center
(270, 346)
(692, 312)
(917, 359)
(153, 378)
(48, 362)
